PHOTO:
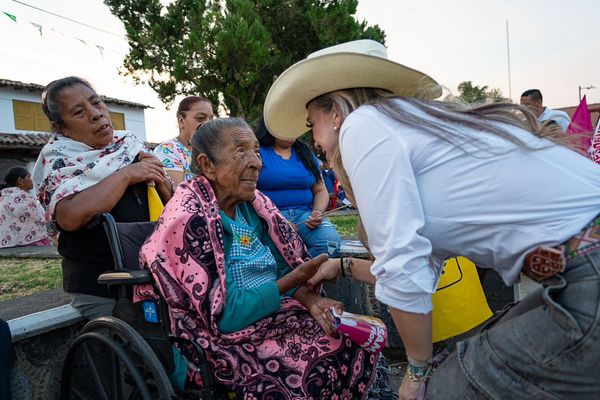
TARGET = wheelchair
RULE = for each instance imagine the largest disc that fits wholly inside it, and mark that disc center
(129, 355)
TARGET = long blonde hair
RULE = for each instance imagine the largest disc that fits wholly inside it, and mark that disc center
(455, 116)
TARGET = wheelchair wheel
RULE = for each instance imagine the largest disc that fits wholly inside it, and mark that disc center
(111, 361)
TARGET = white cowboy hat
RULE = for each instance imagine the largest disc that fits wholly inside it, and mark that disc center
(361, 63)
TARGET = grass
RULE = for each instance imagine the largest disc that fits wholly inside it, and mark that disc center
(23, 276)
(346, 224)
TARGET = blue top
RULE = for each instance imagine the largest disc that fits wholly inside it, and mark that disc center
(286, 182)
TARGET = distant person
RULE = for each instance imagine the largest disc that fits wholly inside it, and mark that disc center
(6, 352)
(330, 181)
(292, 179)
(337, 195)
(176, 153)
(22, 220)
(533, 99)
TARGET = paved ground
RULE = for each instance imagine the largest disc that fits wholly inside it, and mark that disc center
(21, 306)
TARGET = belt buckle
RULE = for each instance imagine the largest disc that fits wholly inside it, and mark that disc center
(544, 262)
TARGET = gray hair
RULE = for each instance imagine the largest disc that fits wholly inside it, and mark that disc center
(51, 93)
(208, 139)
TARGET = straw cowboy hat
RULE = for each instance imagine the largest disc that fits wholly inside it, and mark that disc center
(361, 63)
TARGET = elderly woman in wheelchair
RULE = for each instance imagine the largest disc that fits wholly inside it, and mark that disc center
(232, 271)
(87, 168)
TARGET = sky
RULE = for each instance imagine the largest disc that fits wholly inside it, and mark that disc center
(554, 46)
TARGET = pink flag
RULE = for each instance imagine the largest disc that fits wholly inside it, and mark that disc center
(581, 124)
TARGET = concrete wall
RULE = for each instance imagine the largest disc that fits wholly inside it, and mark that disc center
(41, 341)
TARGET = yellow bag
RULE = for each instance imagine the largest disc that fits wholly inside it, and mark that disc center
(155, 205)
(459, 303)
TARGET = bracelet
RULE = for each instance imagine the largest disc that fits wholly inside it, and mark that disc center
(418, 374)
(347, 264)
(342, 267)
(170, 181)
(418, 371)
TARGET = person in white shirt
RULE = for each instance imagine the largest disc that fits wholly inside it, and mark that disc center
(432, 180)
(533, 99)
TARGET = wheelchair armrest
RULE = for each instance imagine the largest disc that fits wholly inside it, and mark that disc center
(125, 277)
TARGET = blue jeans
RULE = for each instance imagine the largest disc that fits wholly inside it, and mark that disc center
(549, 350)
(322, 239)
(5, 360)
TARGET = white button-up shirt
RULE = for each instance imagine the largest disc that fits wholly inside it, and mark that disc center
(560, 117)
(422, 200)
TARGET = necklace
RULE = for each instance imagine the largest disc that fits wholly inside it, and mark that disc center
(187, 145)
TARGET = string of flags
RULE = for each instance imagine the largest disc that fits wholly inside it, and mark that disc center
(42, 29)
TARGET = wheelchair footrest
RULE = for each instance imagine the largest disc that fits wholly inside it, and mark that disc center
(125, 277)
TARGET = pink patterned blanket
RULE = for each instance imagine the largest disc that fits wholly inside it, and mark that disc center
(284, 356)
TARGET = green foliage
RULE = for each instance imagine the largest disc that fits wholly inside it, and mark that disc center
(474, 94)
(230, 50)
(345, 224)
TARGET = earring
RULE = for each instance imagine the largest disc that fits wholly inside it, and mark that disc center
(335, 128)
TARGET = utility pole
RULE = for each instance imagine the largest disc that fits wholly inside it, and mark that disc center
(585, 88)
(508, 58)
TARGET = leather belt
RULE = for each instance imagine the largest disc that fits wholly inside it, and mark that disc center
(544, 262)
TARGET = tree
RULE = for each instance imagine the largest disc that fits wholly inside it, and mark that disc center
(230, 50)
(471, 94)
(479, 94)
(495, 96)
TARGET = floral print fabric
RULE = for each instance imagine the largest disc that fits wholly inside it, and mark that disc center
(284, 356)
(175, 157)
(21, 218)
(66, 166)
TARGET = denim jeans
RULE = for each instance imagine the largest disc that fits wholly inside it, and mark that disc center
(550, 351)
(5, 360)
(322, 239)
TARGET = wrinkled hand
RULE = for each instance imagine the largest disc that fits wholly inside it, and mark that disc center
(320, 309)
(301, 274)
(408, 389)
(315, 219)
(142, 172)
(164, 185)
(328, 271)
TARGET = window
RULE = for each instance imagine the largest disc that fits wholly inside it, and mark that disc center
(30, 117)
(118, 120)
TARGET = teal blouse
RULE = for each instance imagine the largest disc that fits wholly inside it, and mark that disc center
(252, 265)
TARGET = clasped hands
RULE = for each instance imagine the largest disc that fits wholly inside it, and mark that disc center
(318, 306)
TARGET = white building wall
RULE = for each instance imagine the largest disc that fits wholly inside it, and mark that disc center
(134, 117)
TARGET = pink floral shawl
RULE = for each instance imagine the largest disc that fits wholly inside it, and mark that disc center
(284, 356)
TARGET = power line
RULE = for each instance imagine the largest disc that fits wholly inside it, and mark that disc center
(69, 19)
